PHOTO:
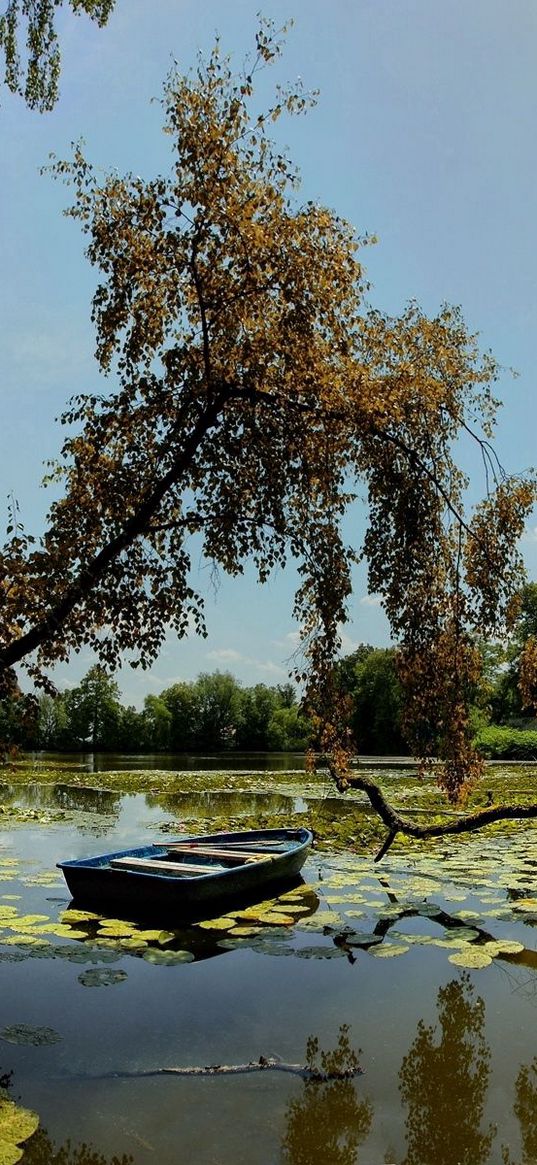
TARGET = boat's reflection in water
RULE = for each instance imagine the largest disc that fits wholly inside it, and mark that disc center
(170, 933)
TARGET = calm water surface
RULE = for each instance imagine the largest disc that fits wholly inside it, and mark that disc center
(447, 1053)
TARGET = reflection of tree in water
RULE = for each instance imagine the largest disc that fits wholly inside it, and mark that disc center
(444, 1084)
(88, 800)
(40, 1150)
(328, 1121)
(525, 1109)
(214, 802)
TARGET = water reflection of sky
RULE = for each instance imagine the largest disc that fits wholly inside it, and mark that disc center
(427, 1030)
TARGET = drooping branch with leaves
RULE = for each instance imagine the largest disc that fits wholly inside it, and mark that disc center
(255, 395)
(30, 48)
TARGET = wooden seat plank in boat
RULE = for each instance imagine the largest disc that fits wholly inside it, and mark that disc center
(218, 852)
(152, 865)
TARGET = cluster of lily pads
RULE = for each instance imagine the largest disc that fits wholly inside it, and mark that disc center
(363, 907)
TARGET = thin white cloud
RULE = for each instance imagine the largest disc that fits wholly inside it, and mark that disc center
(371, 601)
(530, 534)
(347, 644)
(227, 655)
(269, 667)
(290, 642)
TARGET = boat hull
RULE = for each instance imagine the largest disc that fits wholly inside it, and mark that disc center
(95, 883)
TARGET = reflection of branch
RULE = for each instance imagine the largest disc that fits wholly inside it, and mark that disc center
(524, 958)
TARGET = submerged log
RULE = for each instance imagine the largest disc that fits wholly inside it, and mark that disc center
(264, 1064)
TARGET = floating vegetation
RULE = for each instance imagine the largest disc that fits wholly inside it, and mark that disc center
(320, 919)
(168, 958)
(389, 950)
(474, 957)
(16, 1126)
(48, 879)
(362, 940)
(22, 1033)
(74, 916)
(502, 947)
(101, 977)
(244, 931)
(217, 924)
(485, 879)
(319, 953)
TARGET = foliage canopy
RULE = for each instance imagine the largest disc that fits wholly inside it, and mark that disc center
(257, 395)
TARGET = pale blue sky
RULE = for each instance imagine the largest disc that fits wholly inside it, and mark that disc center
(424, 134)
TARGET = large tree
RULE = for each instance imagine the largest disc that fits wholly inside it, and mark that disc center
(93, 710)
(30, 47)
(255, 395)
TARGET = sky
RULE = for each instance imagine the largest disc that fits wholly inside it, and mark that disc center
(424, 135)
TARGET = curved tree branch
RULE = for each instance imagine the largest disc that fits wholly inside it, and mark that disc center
(465, 824)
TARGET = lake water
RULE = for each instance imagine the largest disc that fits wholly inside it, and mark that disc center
(373, 964)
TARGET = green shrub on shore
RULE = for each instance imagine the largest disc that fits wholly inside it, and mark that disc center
(496, 743)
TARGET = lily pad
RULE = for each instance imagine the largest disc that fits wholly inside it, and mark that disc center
(293, 895)
(289, 908)
(466, 933)
(152, 936)
(101, 977)
(69, 916)
(320, 919)
(336, 899)
(276, 918)
(22, 940)
(16, 1125)
(217, 924)
(117, 930)
(362, 940)
(231, 944)
(63, 931)
(319, 953)
(22, 1033)
(388, 950)
(473, 957)
(31, 919)
(503, 947)
(168, 958)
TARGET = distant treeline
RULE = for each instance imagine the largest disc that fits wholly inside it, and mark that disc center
(217, 712)
(214, 711)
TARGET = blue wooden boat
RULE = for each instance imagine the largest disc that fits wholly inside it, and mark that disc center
(190, 877)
